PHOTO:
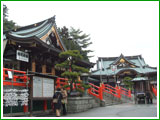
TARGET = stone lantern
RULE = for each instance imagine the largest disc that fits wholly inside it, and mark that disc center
(84, 77)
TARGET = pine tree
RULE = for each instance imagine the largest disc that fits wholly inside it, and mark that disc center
(7, 25)
(127, 81)
(72, 71)
(76, 40)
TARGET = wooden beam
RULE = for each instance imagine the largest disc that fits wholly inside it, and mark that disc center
(33, 65)
(55, 32)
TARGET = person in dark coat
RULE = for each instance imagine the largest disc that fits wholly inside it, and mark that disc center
(58, 105)
(64, 100)
(151, 97)
(147, 96)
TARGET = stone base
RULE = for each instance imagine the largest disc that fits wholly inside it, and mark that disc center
(80, 104)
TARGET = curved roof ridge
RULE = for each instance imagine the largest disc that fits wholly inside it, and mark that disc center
(51, 19)
(26, 31)
(39, 29)
(55, 26)
(36, 33)
(120, 57)
(141, 66)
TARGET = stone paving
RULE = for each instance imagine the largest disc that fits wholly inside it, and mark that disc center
(121, 110)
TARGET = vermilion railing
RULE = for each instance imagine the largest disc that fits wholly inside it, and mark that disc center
(125, 92)
(154, 91)
(60, 82)
(115, 91)
(17, 78)
(96, 91)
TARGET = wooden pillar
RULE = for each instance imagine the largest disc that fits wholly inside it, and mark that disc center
(53, 71)
(31, 96)
(45, 101)
(44, 68)
(33, 65)
(31, 107)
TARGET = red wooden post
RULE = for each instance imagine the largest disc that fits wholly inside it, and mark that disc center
(25, 78)
(101, 92)
(103, 86)
(89, 90)
(118, 92)
(117, 87)
(25, 108)
(154, 91)
(58, 83)
(4, 74)
(45, 105)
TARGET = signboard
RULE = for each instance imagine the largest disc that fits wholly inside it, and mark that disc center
(10, 75)
(43, 87)
(22, 56)
(37, 86)
(113, 67)
(118, 82)
(48, 87)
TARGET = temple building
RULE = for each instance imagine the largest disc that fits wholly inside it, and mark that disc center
(40, 44)
(34, 49)
(113, 70)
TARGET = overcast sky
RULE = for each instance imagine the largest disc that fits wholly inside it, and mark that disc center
(130, 28)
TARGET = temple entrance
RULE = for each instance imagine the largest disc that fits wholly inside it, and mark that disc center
(125, 75)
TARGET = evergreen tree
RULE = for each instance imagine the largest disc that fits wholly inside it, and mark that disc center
(127, 81)
(72, 71)
(76, 40)
(7, 25)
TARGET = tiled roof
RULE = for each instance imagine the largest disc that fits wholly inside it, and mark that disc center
(106, 62)
(37, 30)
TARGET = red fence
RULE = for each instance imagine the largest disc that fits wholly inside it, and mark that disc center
(115, 91)
(60, 82)
(96, 91)
(125, 92)
(14, 77)
(154, 91)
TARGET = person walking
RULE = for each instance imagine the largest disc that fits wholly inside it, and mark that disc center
(57, 98)
(147, 96)
(151, 97)
(64, 100)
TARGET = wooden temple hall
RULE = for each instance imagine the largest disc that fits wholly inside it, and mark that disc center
(33, 49)
(113, 70)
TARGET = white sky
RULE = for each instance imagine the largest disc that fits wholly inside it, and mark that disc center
(130, 28)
